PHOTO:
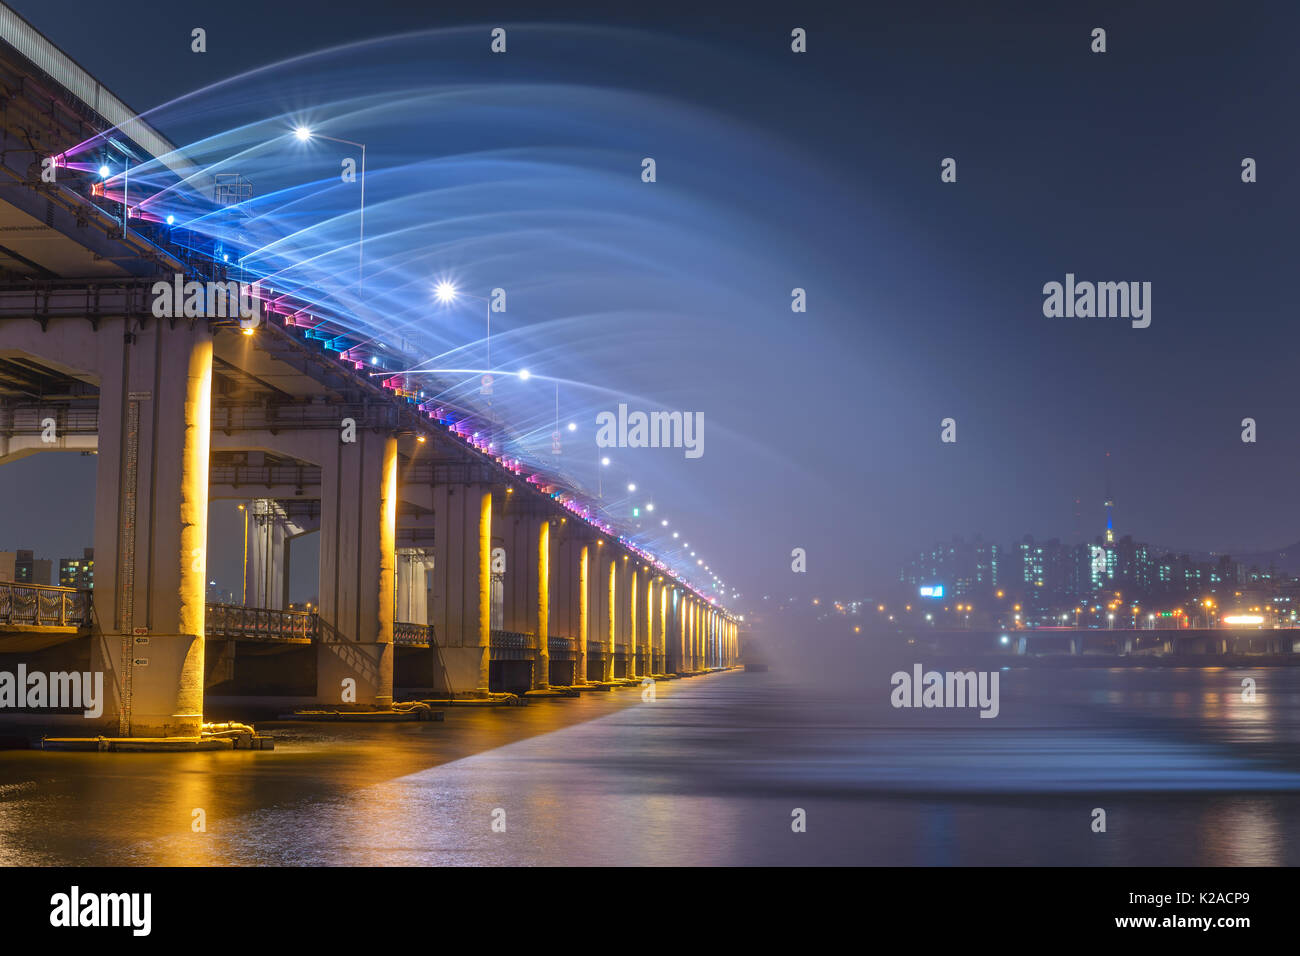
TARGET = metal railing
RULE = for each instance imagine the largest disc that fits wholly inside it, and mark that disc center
(562, 648)
(259, 623)
(41, 605)
(510, 646)
(413, 635)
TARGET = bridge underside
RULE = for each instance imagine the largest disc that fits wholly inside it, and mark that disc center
(438, 567)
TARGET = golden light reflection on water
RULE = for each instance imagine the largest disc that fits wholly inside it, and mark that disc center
(708, 774)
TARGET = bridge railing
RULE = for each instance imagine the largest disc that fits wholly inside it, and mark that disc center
(259, 623)
(562, 648)
(413, 635)
(510, 646)
(41, 605)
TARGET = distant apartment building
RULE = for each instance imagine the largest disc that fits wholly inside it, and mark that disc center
(78, 572)
(962, 568)
(23, 567)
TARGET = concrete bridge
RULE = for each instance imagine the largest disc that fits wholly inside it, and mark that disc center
(444, 566)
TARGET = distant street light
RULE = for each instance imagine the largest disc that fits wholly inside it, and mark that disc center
(244, 599)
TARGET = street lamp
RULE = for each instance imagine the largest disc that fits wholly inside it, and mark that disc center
(305, 134)
(446, 293)
(244, 594)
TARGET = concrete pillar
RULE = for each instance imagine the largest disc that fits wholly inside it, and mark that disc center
(598, 584)
(521, 571)
(582, 597)
(612, 614)
(710, 634)
(461, 583)
(413, 567)
(354, 661)
(151, 506)
(635, 593)
(647, 635)
(707, 644)
(697, 614)
(692, 663)
(539, 598)
(681, 664)
(686, 632)
(267, 570)
(626, 612)
(662, 633)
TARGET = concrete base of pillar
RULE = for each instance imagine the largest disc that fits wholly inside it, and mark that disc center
(166, 683)
(348, 673)
(461, 671)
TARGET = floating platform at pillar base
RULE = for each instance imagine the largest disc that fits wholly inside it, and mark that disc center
(157, 744)
(591, 685)
(549, 692)
(410, 710)
(499, 700)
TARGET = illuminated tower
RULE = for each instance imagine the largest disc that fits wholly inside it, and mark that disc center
(1110, 503)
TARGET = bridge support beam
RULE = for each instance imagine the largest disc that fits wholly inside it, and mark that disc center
(539, 598)
(569, 609)
(661, 639)
(462, 581)
(612, 616)
(527, 590)
(696, 658)
(647, 635)
(598, 583)
(413, 567)
(151, 507)
(677, 660)
(633, 588)
(354, 660)
(267, 569)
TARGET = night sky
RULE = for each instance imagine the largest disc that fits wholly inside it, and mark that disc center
(822, 171)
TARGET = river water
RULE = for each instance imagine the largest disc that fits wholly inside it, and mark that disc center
(710, 772)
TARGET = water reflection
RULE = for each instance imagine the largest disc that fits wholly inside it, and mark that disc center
(1188, 771)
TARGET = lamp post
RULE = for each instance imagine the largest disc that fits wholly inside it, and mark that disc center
(305, 134)
(244, 592)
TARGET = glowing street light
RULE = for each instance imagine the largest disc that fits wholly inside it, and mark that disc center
(305, 133)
